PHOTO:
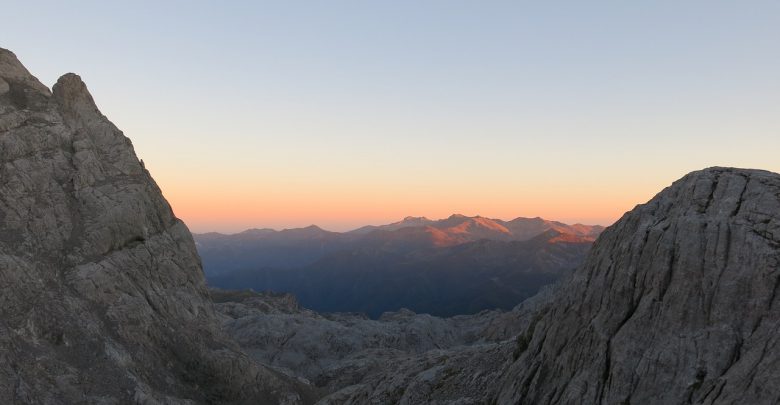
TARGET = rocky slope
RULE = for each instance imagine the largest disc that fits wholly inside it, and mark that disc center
(676, 303)
(335, 350)
(103, 297)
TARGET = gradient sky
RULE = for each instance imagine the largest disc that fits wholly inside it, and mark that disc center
(343, 113)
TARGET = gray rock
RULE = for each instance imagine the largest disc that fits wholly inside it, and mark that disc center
(675, 304)
(103, 297)
(460, 375)
(463, 373)
(340, 349)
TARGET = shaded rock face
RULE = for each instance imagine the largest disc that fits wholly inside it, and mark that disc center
(677, 303)
(103, 297)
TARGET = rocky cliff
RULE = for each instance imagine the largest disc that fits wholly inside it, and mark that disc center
(677, 303)
(103, 297)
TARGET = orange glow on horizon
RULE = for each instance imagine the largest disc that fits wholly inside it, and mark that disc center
(232, 208)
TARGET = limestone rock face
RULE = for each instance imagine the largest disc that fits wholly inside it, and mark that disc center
(103, 297)
(677, 303)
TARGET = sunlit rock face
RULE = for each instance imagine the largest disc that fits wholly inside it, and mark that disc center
(103, 297)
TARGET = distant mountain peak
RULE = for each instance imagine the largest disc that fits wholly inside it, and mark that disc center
(453, 230)
(411, 218)
(258, 231)
(309, 231)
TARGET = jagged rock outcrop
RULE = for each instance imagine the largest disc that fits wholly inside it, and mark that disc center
(103, 297)
(677, 303)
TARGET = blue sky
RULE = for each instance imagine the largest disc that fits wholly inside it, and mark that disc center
(345, 112)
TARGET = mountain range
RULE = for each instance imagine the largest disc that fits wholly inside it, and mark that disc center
(444, 267)
(290, 248)
(104, 299)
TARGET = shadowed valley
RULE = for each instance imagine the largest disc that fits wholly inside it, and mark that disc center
(457, 265)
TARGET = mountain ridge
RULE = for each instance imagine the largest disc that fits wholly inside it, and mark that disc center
(411, 221)
(296, 247)
(492, 263)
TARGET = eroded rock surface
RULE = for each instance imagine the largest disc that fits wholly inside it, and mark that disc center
(402, 357)
(103, 297)
(341, 349)
(677, 303)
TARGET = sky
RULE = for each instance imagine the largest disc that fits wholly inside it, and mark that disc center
(346, 113)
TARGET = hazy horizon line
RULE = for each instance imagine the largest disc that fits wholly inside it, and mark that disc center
(352, 228)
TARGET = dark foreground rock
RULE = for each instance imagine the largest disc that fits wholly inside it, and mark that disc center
(103, 297)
